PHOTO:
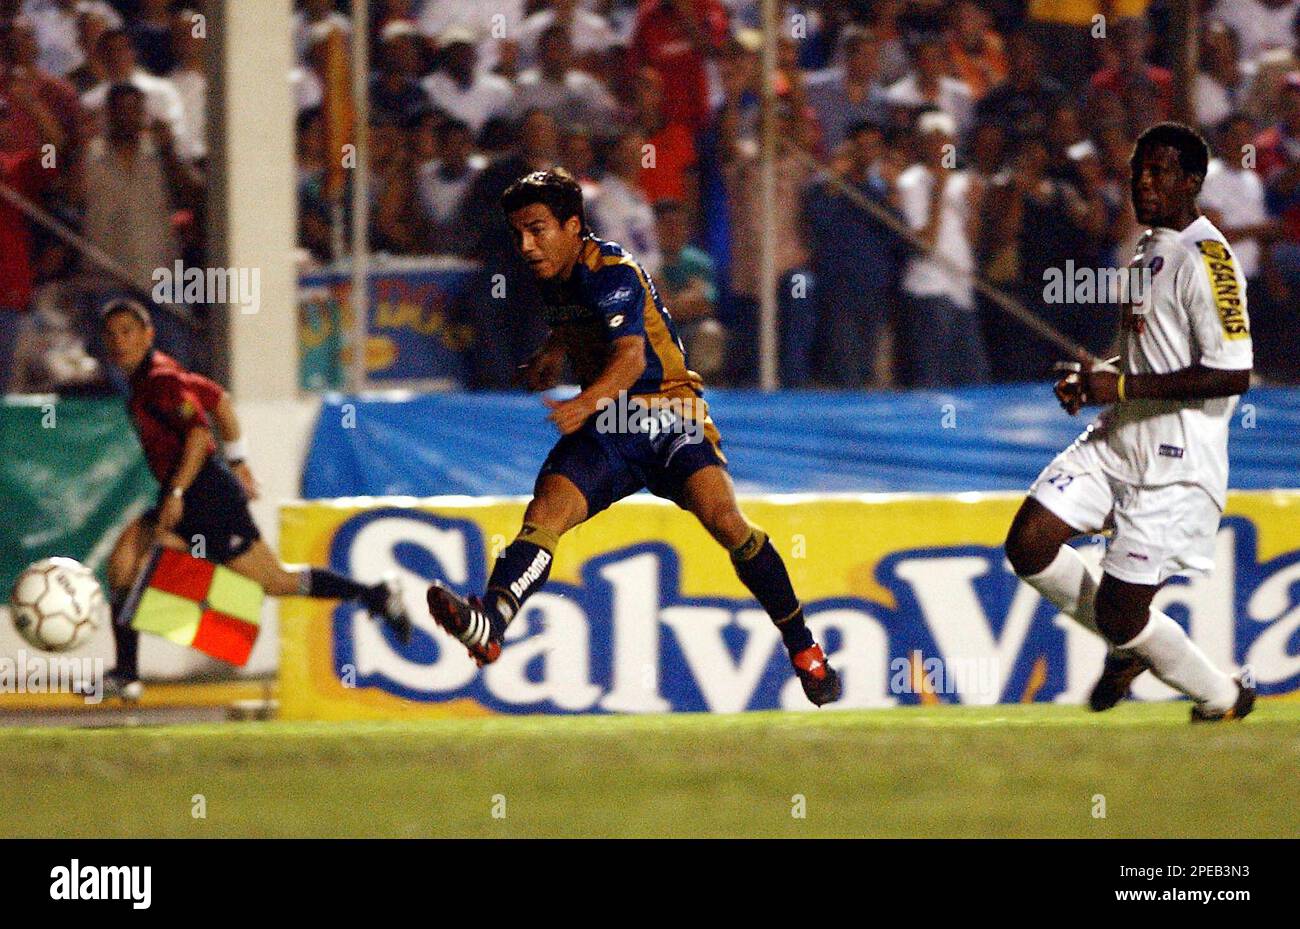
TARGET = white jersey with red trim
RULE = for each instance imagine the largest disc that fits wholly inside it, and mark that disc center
(1191, 311)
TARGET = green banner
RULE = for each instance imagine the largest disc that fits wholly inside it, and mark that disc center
(71, 476)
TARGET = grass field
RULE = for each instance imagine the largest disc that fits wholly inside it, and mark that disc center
(1002, 771)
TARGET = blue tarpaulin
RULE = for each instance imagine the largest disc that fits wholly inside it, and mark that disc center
(983, 438)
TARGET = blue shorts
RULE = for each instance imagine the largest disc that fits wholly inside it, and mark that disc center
(608, 466)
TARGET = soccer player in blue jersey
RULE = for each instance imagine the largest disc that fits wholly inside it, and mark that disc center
(607, 321)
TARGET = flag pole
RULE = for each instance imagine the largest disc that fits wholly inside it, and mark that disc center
(133, 596)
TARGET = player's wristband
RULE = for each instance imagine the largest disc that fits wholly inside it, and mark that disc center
(178, 492)
(236, 451)
(1119, 388)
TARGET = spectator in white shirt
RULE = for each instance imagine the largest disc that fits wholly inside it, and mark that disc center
(162, 99)
(444, 181)
(927, 85)
(1260, 25)
(57, 31)
(621, 213)
(570, 95)
(191, 80)
(589, 33)
(939, 326)
(493, 23)
(1223, 81)
(128, 178)
(460, 89)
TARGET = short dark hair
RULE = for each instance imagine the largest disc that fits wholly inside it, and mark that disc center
(554, 31)
(452, 124)
(120, 91)
(1193, 153)
(555, 189)
(125, 305)
(863, 125)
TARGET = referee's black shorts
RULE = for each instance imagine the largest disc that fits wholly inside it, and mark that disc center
(216, 515)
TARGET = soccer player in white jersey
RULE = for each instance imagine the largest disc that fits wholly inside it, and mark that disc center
(1154, 464)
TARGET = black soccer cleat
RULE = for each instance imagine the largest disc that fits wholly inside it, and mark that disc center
(1239, 710)
(1117, 676)
(821, 683)
(115, 684)
(466, 620)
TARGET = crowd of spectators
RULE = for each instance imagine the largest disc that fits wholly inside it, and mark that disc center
(997, 131)
(103, 137)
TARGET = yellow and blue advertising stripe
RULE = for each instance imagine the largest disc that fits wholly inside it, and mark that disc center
(911, 594)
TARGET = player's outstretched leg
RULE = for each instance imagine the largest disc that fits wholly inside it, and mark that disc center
(125, 561)
(1037, 551)
(1125, 618)
(383, 600)
(710, 496)
(479, 623)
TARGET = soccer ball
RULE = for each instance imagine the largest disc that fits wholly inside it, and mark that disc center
(57, 604)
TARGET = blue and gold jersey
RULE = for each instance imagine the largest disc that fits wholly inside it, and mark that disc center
(609, 296)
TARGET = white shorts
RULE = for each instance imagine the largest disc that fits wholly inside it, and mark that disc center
(1159, 532)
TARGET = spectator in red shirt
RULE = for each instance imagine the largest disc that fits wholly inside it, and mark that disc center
(671, 174)
(27, 173)
(19, 54)
(676, 38)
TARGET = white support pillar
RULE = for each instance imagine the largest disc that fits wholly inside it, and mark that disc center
(253, 195)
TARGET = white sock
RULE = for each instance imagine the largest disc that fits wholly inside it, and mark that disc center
(1070, 586)
(1176, 660)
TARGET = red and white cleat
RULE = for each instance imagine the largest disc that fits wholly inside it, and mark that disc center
(467, 620)
(821, 682)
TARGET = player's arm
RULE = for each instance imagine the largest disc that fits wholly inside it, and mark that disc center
(227, 421)
(193, 454)
(626, 364)
(233, 442)
(1196, 382)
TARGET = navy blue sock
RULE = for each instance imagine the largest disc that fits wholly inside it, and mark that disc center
(329, 585)
(760, 568)
(522, 568)
(126, 641)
